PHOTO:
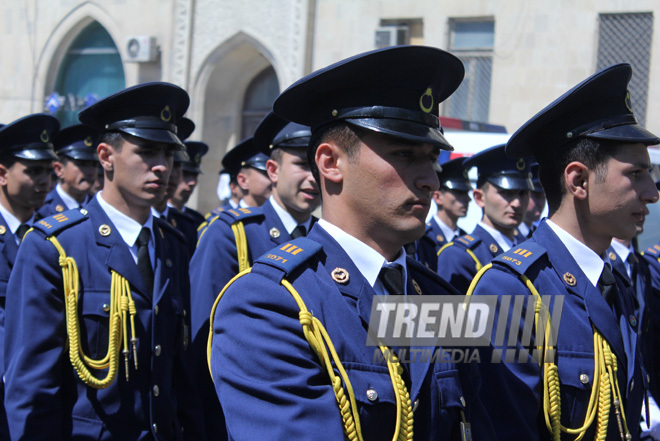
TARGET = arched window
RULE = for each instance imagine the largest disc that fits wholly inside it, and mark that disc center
(259, 98)
(91, 70)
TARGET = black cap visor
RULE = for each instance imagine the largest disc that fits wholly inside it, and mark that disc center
(512, 181)
(155, 135)
(80, 154)
(35, 154)
(407, 130)
(627, 134)
(191, 168)
(459, 185)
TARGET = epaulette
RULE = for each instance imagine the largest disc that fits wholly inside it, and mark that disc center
(52, 225)
(291, 255)
(164, 225)
(521, 257)
(234, 215)
(653, 250)
(467, 241)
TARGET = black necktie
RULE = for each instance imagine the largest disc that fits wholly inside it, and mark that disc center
(391, 275)
(143, 261)
(607, 285)
(632, 261)
(20, 232)
(299, 231)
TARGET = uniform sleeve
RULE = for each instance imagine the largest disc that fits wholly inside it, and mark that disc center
(35, 343)
(269, 382)
(457, 267)
(511, 393)
(213, 264)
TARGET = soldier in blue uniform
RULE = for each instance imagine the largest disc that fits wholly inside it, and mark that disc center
(95, 331)
(585, 375)
(503, 186)
(75, 168)
(452, 201)
(375, 139)
(535, 207)
(25, 165)
(166, 211)
(224, 250)
(190, 172)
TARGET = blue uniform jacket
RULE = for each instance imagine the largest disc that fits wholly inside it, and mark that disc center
(54, 204)
(651, 259)
(434, 231)
(197, 217)
(213, 264)
(186, 226)
(260, 357)
(45, 397)
(8, 250)
(514, 392)
(455, 264)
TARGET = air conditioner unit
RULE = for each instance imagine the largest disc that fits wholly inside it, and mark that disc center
(141, 49)
(392, 36)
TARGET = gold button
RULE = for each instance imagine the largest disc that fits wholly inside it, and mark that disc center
(372, 395)
(584, 378)
(156, 310)
(106, 307)
(157, 349)
(156, 390)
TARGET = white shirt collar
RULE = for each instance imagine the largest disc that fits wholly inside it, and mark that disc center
(448, 232)
(367, 260)
(623, 252)
(241, 204)
(287, 220)
(12, 221)
(70, 202)
(504, 242)
(160, 215)
(128, 228)
(523, 229)
(589, 262)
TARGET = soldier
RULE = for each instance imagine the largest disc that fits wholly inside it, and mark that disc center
(75, 169)
(248, 165)
(223, 250)
(25, 165)
(583, 375)
(535, 207)
(301, 314)
(95, 331)
(190, 172)
(163, 208)
(503, 186)
(452, 200)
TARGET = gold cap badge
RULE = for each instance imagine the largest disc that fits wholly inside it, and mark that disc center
(166, 114)
(423, 101)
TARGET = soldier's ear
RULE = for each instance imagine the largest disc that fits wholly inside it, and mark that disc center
(576, 178)
(106, 156)
(331, 161)
(272, 168)
(57, 168)
(3, 174)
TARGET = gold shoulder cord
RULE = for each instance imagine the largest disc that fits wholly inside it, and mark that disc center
(469, 251)
(605, 384)
(121, 304)
(320, 342)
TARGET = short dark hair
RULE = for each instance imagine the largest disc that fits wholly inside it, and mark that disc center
(592, 153)
(341, 133)
(115, 139)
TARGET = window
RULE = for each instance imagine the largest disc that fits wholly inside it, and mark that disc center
(626, 38)
(91, 70)
(259, 98)
(472, 41)
(396, 32)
